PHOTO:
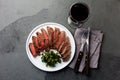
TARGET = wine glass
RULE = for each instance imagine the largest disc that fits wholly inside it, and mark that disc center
(79, 13)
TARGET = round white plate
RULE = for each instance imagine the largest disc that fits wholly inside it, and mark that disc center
(37, 60)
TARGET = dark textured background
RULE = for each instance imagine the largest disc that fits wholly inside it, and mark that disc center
(104, 15)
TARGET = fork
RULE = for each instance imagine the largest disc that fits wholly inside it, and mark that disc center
(87, 52)
(81, 51)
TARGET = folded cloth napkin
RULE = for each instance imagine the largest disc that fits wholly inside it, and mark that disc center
(95, 45)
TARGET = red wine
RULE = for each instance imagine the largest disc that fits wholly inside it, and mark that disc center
(79, 12)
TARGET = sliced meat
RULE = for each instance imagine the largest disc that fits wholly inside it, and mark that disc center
(56, 36)
(65, 50)
(61, 39)
(41, 40)
(35, 41)
(44, 33)
(32, 49)
(60, 47)
(67, 53)
(46, 38)
(66, 58)
(51, 34)
(49, 39)
(66, 42)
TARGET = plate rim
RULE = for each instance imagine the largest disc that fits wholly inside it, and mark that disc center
(33, 30)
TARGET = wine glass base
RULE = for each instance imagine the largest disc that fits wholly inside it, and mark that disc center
(73, 24)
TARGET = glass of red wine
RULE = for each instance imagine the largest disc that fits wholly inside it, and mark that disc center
(79, 13)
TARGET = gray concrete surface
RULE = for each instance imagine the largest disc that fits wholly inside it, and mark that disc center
(14, 63)
(11, 10)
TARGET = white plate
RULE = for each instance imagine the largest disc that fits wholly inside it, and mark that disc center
(37, 61)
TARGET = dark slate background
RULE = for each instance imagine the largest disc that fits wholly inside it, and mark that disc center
(104, 15)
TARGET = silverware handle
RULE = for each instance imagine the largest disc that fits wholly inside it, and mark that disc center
(86, 68)
(79, 59)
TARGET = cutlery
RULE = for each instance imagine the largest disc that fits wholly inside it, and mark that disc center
(81, 52)
(87, 51)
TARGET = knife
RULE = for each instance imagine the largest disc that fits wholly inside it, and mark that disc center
(87, 53)
(81, 52)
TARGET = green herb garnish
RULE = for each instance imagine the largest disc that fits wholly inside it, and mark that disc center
(51, 58)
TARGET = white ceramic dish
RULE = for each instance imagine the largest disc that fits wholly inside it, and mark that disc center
(37, 61)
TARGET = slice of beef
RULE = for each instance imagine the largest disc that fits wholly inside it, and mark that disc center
(35, 41)
(66, 42)
(60, 47)
(32, 49)
(66, 58)
(66, 53)
(65, 50)
(51, 35)
(41, 40)
(46, 38)
(56, 36)
(61, 39)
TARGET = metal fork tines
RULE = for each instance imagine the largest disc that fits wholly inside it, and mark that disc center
(83, 40)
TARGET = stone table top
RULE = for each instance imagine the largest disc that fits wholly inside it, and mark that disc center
(104, 16)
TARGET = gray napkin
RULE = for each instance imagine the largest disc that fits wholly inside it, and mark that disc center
(95, 45)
